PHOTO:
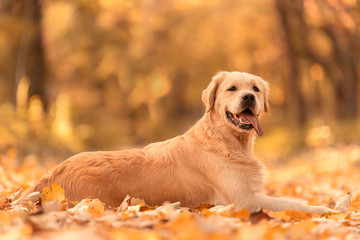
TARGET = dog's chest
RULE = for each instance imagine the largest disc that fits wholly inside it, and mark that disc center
(240, 181)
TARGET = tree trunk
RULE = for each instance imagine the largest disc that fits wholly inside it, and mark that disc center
(30, 59)
(343, 73)
(289, 13)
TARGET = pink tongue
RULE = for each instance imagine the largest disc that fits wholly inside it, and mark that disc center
(255, 122)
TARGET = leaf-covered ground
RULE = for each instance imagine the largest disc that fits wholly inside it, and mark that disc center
(322, 176)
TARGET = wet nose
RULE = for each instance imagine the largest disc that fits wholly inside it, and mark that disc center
(248, 98)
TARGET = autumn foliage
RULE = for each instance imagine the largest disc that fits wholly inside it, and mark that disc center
(78, 75)
(103, 74)
(323, 176)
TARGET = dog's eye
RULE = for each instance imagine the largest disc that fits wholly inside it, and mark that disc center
(256, 89)
(232, 89)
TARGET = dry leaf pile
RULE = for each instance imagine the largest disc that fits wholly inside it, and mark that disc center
(328, 177)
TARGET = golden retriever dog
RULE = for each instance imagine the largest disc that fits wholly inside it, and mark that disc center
(211, 163)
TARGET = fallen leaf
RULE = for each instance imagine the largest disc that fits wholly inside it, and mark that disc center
(32, 197)
(96, 207)
(243, 214)
(49, 221)
(217, 223)
(255, 218)
(45, 194)
(204, 206)
(93, 206)
(91, 219)
(78, 208)
(124, 205)
(168, 210)
(15, 195)
(355, 202)
(291, 215)
(339, 216)
(4, 202)
(135, 208)
(52, 206)
(55, 193)
(147, 208)
(136, 201)
(222, 209)
(343, 204)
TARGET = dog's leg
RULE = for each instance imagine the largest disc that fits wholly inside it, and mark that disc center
(279, 204)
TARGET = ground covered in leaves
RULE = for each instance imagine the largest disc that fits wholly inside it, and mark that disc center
(321, 176)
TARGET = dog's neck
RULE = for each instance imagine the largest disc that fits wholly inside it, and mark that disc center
(211, 129)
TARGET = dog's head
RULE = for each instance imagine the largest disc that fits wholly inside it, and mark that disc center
(239, 99)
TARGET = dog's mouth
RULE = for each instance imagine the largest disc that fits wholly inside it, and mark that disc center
(245, 120)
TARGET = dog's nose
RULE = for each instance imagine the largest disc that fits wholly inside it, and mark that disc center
(248, 98)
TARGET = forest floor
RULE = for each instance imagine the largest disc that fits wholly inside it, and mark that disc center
(319, 176)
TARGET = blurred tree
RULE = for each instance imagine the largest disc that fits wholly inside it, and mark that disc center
(9, 25)
(131, 72)
(290, 14)
(26, 59)
(325, 33)
(342, 65)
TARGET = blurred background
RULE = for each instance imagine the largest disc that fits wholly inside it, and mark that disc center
(79, 75)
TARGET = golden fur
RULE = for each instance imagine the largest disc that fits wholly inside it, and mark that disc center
(211, 163)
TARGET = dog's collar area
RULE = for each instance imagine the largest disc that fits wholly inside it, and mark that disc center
(239, 121)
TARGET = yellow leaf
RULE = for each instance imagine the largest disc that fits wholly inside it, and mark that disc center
(282, 215)
(339, 216)
(291, 215)
(144, 208)
(355, 203)
(96, 207)
(45, 194)
(204, 206)
(243, 214)
(55, 193)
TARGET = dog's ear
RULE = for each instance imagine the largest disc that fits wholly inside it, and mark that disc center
(266, 95)
(209, 94)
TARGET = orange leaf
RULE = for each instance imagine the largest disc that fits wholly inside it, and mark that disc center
(339, 216)
(55, 193)
(291, 215)
(255, 218)
(45, 194)
(204, 206)
(243, 214)
(96, 207)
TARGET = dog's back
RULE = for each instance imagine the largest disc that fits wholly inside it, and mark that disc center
(163, 171)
